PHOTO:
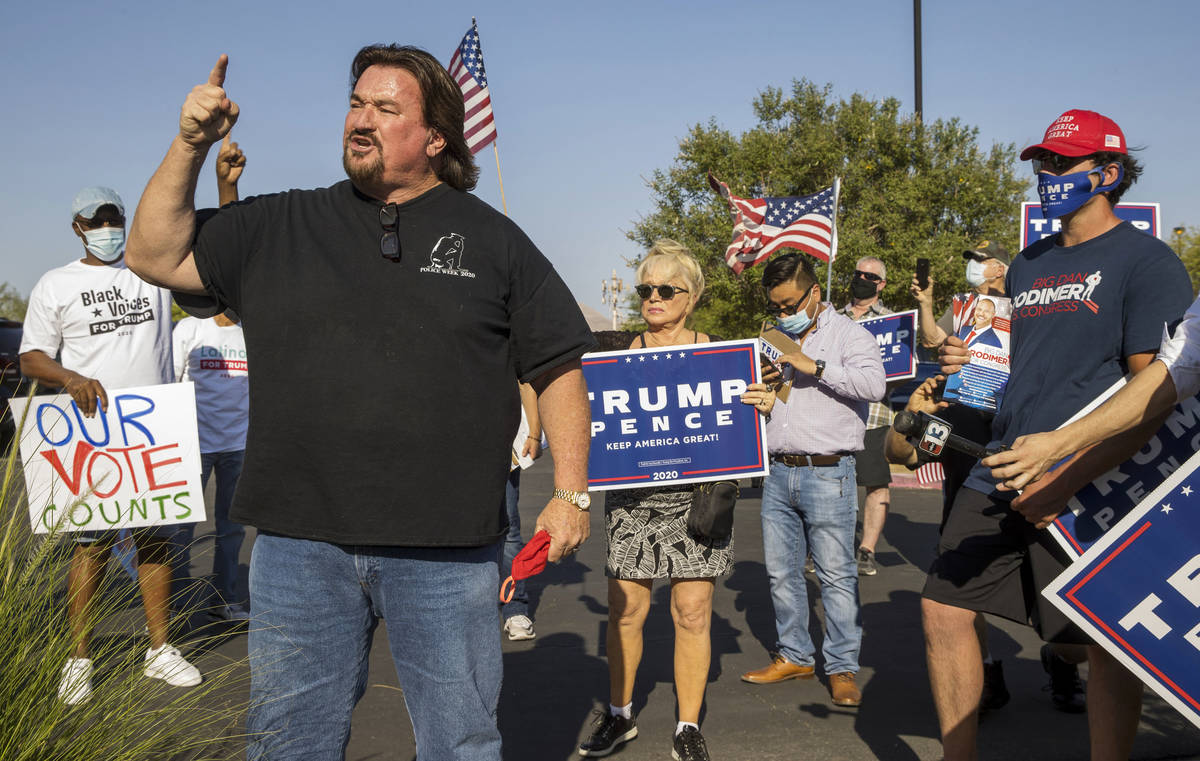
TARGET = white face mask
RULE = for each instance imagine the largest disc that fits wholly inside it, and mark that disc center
(105, 243)
(975, 276)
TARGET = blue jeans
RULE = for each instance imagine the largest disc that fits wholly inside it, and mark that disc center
(519, 605)
(315, 608)
(228, 537)
(811, 510)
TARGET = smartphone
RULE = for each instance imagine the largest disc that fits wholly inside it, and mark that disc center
(771, 371)
(922, 273)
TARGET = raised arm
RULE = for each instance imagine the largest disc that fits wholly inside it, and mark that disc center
(160, 239)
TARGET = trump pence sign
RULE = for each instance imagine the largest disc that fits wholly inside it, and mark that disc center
(674, 415)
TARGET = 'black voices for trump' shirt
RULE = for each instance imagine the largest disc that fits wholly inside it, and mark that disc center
(383, 397)
(1078, 311)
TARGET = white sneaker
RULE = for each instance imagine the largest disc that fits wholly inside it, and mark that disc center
(233, 612)
(76, 684)
(519, 628)
(167, 664)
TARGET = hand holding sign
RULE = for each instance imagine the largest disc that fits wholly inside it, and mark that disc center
(953, 355)
(208, 114)
(759, 395)
(86, 391)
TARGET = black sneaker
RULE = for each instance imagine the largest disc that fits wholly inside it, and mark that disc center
(608, 732)
(1066, 689)
(995, 693)
(689, 746)
(866, 562)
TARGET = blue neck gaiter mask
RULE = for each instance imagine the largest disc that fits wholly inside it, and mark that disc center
(1064, 193)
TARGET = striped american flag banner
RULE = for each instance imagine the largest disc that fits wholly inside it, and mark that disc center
(764, 225)
(466, 66)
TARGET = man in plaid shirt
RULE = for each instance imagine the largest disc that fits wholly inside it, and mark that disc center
(872, 471)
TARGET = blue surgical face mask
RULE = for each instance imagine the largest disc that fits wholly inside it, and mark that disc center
(1064, 193)
(105, 243)
(795, 323)
(975, 275)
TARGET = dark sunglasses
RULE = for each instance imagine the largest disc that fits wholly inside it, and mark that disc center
(868, 276)
(778, 311)
(389, 242)
(666, 292)
(1055, 163)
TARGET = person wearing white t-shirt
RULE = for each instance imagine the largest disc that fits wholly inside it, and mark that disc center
(212, 354)
(110, 330)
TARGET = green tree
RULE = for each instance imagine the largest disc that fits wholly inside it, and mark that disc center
(1186, 243)
(909, 190)
(12, 305)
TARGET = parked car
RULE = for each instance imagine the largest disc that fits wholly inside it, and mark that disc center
(11, 380)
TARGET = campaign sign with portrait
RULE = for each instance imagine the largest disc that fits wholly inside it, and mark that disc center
(896, 335)
(674, 415)
(984, 324)
(1136, 592)
(1035, 226)
(1095, 508)
(136, 464)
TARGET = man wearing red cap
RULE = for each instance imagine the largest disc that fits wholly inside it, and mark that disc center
(1089, 305)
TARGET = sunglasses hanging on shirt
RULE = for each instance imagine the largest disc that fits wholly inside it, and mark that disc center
(389, 242)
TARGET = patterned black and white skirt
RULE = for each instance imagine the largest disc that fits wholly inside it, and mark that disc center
(648, 537)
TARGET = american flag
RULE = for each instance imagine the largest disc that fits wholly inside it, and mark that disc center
(466, 66)
(764, 225)
(930, 473)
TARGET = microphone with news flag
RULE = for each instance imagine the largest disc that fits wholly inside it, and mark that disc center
(931, 434)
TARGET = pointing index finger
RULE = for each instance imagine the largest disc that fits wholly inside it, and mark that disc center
(217, 75)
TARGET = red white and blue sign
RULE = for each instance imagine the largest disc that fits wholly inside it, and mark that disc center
(896, 335)
(1099, 505)
(1034, 226)
(674, 415)
(1136, 592)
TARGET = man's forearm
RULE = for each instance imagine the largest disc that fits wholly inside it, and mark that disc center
(566, 417)
(160, 238)
(1148, 397)
(42, 368)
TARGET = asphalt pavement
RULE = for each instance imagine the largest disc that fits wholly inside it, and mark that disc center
(554, 681)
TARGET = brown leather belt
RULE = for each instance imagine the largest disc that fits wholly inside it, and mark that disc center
(816, 460)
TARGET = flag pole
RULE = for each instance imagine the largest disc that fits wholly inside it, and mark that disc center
(499, 176)
(837, 191)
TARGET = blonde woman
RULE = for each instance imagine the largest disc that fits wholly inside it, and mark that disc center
(648, 539)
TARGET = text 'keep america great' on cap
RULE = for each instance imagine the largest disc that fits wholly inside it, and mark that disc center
(1079, 133)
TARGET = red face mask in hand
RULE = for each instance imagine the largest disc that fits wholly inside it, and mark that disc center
(530, 561)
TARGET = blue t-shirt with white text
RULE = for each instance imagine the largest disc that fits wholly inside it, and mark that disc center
(1078, 311)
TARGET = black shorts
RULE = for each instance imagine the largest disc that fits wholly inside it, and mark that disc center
(990, 559)
(871, 467)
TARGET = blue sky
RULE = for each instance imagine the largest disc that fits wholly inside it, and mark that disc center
(589, 99)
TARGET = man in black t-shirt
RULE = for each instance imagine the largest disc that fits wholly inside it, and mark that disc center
(377, 482)
(1089, 304)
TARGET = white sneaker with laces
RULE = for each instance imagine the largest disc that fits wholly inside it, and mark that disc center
(76, 684)
(167, 664)
(519, 628)
(234, 612)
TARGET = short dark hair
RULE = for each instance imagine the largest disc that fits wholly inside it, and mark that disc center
(1130, 166)
(441, 105)
(796, 268)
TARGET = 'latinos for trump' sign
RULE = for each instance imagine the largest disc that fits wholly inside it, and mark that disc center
(674, 415)
(1137, 591)
(137, 464)
(896, 335)
(1098, 506)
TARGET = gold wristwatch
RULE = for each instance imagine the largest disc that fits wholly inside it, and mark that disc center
(579, 499)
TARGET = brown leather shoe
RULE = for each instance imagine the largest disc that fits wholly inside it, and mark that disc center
(845, 692)
(781, 669)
